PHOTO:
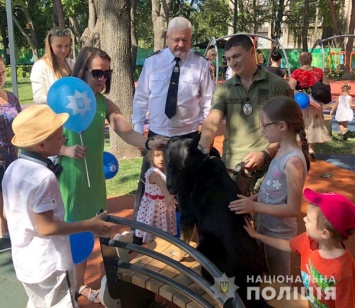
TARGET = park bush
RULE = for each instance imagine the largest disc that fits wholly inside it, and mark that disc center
(22, 70)
(8, 71)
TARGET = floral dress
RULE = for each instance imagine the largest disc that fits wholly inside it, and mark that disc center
(8, 111)
(152, 210)
(315, 128)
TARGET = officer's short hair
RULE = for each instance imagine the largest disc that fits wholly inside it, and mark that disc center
(239, 40)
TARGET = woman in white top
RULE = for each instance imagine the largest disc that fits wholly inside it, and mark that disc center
(54, 64)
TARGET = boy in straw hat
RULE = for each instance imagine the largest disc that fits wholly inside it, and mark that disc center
(34, 208)
(327, 267)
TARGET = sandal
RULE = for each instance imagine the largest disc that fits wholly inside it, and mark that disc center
(122, 253)
(91, 296)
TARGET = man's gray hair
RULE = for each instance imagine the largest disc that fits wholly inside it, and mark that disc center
(179, 23)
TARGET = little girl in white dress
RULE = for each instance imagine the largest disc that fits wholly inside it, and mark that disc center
(344, 113)
(157, 207)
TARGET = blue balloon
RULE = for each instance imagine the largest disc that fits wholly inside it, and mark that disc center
(111, 165)
(81, 245)
(74, 96)
(302, 100)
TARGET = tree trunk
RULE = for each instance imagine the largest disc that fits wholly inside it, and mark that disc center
(278, 13)
(113, 24)
(134, 34)
(76, 30)
(31, 38)
(92, 15)
(305, 26)
(91, 36)
(5, 42)
(333, 15)
(160, 18)
(232, 4)
(58, 14)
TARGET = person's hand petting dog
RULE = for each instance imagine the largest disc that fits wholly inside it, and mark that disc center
(243, 205)
(158, 143)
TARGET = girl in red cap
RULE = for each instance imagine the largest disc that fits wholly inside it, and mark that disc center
(327, 267)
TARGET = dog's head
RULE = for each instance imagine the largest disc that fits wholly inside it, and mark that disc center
(181, 157)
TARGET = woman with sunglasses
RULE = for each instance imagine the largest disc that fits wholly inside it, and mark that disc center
(54, 64)
(81, 201)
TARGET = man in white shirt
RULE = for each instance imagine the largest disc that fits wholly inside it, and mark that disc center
(195, 89)
(195, 86)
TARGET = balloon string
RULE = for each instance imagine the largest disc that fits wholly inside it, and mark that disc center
(86, 165)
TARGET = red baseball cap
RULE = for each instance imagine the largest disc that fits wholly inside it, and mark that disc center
(339, 211)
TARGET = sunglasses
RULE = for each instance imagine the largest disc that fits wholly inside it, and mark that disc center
(97, 74)
(61, 32)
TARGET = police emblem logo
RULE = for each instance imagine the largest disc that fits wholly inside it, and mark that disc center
(247, 109)
(224, 287)
(176, 69)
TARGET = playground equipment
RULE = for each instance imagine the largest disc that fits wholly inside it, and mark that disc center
(275, 44)
(335, 57)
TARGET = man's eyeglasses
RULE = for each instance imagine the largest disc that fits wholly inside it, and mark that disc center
(60, 32)
(97, 74)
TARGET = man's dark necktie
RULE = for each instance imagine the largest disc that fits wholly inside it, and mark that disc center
(171, 99)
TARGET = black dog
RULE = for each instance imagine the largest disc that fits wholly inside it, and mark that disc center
(204, 191)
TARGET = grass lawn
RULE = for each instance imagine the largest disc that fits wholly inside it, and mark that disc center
(125, 182)
(24, 89)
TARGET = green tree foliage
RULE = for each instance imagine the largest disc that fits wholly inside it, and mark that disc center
(144, 24)
(210, 18)
(77, 9)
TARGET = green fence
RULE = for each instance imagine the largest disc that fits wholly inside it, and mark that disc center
(332, 56)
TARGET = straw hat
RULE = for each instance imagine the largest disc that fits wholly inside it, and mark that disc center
(36, 123)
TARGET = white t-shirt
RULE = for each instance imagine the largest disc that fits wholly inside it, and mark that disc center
(193, 99)
(29, 188)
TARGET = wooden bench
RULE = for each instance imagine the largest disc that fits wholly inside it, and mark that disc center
(158, 287)
(150, 270)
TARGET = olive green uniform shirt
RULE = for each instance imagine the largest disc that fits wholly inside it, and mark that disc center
(243, 132)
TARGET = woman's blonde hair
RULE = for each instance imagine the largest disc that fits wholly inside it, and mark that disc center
(49, 56)
(210, 52)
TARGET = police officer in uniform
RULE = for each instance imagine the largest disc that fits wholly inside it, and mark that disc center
(179, 75)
